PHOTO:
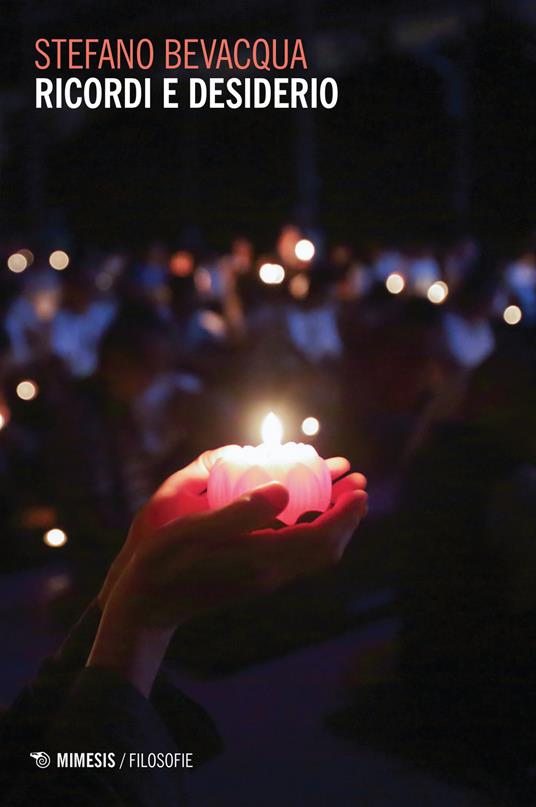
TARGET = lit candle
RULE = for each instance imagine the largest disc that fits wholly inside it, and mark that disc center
(296, 465)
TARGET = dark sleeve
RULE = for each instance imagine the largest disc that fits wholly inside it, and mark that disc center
(25, 723)
(187, 721)
(34, 713)
(104, 732)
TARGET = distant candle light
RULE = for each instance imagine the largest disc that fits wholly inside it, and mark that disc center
(28, 254)
(55, 537)
(181, 263)
(5, 415)
(59, 260)
(438, 292)
(395, 283)
(17, 262)
(27, 390)
(272, 274)
(512, 315)
(310, 426)
(299, 286)
(304, 250)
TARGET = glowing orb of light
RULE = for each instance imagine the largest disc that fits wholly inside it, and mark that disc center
(438, 292)
(310, 426)
(55, 537)
(512, 314)
(27, 390)
(17, 262)
(395, 283)
(304, 250)
(181, 263)
(272, 274)
(59, 260)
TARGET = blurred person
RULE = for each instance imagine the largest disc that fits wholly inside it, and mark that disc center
(286, 246)
(29, 316)
(312, 322)
(460, 259)
(146, 282)
(520, 285)
(187, 292)
(110, 269)
(119, 432)
(234, 267)
(468, 567)
(80, 322)
(354, 280)
(105, 690)
(467, 330)
(423, 270)
(454, 689)
(386, 260)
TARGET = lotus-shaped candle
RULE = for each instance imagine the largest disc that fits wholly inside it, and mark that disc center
(296, 465)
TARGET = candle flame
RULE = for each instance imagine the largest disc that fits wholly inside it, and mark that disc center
(272, 430)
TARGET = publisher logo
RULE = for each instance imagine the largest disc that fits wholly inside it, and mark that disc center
(42, 759)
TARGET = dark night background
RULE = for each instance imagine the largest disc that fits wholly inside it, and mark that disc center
(405, 675)
(432, 132)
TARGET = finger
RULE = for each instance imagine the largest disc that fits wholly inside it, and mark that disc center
(182, 492)
(307, 548)
(355, 481)
(348, 509)
(193, 478)
(252, 511)
(339, 521)
(333, 530)
(337, 466)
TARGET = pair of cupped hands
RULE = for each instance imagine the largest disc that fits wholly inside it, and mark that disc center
(182, 559)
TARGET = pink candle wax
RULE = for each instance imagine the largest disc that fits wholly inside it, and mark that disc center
(296, 465)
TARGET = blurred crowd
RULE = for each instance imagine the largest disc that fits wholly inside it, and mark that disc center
(117, 368)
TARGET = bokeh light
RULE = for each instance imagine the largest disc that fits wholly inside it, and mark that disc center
(28, 254)
(304, 250)
(214, 323)
(55, 537)
(272, 274)
(27, 390)
(310, 426)
(17, 262)
(512, 314)
(181, 263)
(395, 283)
(438, 292)
(299, 286)
(59, 260)
(203, 280)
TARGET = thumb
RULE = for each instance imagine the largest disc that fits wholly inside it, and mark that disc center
(252, 511)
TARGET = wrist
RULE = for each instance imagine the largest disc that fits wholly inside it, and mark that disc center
(134, 652)
(114, 572)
